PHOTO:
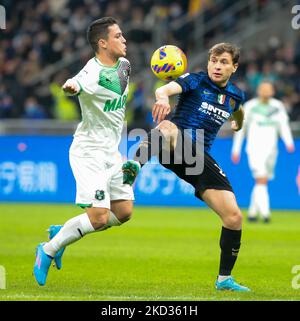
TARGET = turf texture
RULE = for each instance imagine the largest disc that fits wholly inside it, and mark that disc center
(160, 254)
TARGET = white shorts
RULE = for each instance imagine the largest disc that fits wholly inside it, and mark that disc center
(99, 182)
(262, 165)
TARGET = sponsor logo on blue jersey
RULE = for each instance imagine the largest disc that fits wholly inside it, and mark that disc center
(218, 115)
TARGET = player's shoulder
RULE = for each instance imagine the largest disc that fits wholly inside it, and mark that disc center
(123, 59)
(87, 74)
(191, 77)
(91, 63)
(277, 103)
(235, 91)
(89, 69)
(251, 103)
(125, 65)
(201, 75)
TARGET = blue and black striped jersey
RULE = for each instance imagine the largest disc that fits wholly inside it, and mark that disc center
(204, 105)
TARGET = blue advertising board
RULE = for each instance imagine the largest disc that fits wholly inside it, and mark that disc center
(36, 169)
(157, 185)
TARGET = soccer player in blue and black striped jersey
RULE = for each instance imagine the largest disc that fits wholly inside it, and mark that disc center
(206, 101)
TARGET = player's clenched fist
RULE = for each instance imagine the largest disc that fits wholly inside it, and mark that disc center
(160, 110)
(71, 87)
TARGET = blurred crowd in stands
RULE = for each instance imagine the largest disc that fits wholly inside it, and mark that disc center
(40, 33)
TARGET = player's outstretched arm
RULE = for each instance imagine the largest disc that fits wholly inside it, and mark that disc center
(237, 119)
(162, 107)
(71, 87)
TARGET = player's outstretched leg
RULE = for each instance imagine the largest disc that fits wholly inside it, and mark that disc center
(130, 171)
(53, 230)
(41, 265)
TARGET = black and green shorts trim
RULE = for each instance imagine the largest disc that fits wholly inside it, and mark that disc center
(84, 205)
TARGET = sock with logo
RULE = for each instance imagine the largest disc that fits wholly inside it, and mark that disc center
(73, 230)
(230, 242)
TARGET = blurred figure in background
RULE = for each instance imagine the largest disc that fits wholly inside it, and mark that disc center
(265, 119)
(33, 110)
(6, 103)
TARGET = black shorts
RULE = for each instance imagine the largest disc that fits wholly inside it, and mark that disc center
(212, 176)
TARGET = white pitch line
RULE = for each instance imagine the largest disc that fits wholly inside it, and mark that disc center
(137, 298)
(105, 297)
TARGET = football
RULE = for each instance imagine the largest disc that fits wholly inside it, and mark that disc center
(168, 62)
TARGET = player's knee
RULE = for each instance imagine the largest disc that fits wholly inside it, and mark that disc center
(167, 128)
(124, 217)
(169, 131)
(99, 217)
(121, 211)
(261, 180)
(234, 220)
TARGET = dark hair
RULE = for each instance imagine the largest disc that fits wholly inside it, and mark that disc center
(99, 29)
(222, 47)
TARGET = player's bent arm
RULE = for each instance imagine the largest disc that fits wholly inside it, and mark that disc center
(285, 131)
(236, 124)
(170, 89)
(286, 135)
(71, 87)
(237, 143)
(162, 106)
(237, 119)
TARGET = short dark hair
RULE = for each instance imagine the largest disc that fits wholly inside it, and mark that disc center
(222, 47)
(99, 29)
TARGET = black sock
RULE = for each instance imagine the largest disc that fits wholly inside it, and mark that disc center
(150, 146)
(230, 242)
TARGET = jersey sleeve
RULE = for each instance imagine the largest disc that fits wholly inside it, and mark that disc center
(237, 95)
(239, 136)
(237, 143)
(85, 80)
(189, 81)
(126, 66)
(240, 100)
(284, 127)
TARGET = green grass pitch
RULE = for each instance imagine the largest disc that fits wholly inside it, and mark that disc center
(161, 254)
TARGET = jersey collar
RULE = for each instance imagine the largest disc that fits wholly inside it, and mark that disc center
(104, 66)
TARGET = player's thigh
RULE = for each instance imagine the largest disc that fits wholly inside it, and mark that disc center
(261, 165)
(270, 165)
(121, 195)
(224, 203)
(261, 180)
(92, 182)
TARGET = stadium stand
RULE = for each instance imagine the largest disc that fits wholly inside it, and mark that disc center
(40, 34)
